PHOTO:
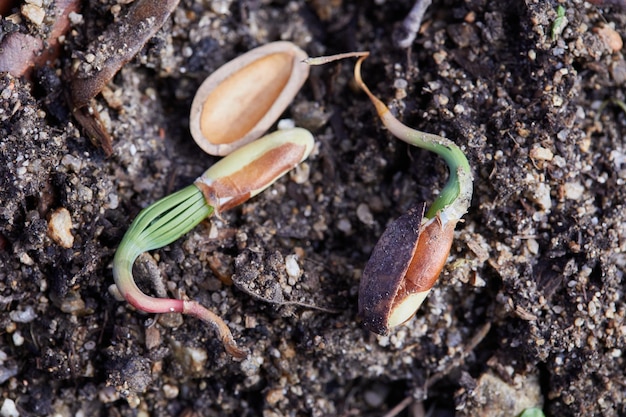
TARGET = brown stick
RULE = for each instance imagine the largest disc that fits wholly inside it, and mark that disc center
(119, 43)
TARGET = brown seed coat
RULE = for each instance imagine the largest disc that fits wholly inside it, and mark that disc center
(407, 260)
(386, 268)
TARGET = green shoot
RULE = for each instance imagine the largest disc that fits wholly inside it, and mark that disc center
(455, 198)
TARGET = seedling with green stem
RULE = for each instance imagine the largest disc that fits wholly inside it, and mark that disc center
(231, 181)
(410, 255)
(559, 23)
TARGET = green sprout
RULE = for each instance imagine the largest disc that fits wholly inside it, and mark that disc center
(559, 23)
(532, 412)
(408, 258)
(411, 253)
(456, 196)
(241, 175)
(619, 103)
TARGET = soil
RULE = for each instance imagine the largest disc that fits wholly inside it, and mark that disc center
(529, 311)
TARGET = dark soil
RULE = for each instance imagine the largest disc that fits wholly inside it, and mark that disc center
(529, 311)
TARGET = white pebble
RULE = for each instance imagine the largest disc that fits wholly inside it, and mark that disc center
(75, 18)
(344, 225)
(18, 339)
(573, 190)
(34, 13)
(301, 173)
(221, 7)
(113, 201)
(71, 162)
(284, 124)
(541, 154)
(195, 358)
(400, 84)
(170, 391)
(292, 267)
(9, 409)
(533, 246)
(375, 397)
(364, 214)
(26, 259)
(25, 316)
(541, 195)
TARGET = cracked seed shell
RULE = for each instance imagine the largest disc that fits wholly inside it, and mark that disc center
(242, 99)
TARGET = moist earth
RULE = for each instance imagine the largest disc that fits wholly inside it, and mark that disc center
(528, 312)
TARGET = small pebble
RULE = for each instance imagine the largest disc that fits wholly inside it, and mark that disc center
(72, 303)
(541, 154)
(153, 337)
(477, 281)
(364, 214)
(541, 196)
(84, 193)
(25, 316)
(533, 246)
(221, 7)
(195, 358)
(284, 124)
(108, 395)
(9, 409)
(610, 37)
(170, 391)
(7, 372)
(301, 173)
(618, 71)
(18, 339)
(344, 225)
(113, 201)
(274, 396)
(376, 395)
(72, 163)
(34, 13)
(442, 100)
(293, 269)
(573, 190)
(60, 228)
(75, 18)
(26, 259)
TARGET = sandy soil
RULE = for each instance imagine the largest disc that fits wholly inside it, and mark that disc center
(529, 311)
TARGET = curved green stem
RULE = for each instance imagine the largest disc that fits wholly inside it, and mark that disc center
(229, 182)
(156, 226)
(455, 198)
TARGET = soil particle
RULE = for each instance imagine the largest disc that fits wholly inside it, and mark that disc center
(533, 290)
